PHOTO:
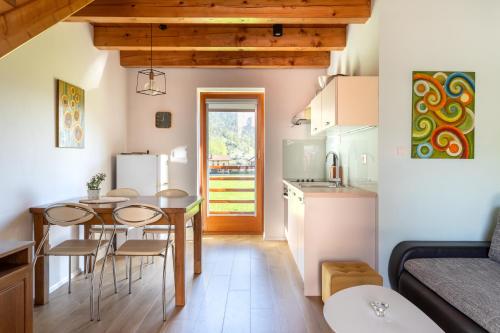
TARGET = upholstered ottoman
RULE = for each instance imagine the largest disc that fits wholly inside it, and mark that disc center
(338, 275)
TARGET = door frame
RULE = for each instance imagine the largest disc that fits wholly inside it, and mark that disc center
(226, 224)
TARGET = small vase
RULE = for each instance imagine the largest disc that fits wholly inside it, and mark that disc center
(94, 194)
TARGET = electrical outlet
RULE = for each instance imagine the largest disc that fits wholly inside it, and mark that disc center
(401, 151)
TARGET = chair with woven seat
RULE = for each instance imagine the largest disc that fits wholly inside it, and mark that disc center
(69, 215)
(139, 216)
(170, 193)
(160, 230)
(123, 192)
(118, 192)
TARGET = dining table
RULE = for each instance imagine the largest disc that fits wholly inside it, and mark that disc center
(178, 210)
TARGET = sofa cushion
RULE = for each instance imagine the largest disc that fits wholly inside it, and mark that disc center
(471, 285)
(495, 243)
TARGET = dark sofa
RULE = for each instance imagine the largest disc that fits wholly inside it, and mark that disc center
(447, 316)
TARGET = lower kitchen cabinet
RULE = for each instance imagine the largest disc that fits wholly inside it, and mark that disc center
(330, 226)
(296, 228)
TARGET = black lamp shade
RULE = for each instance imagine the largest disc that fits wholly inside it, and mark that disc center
(151, 82)
(277, 30)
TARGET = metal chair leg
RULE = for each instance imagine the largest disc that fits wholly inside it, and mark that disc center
(142, 258)
(163, 289)
(126, 261)
(92, 295)
(113, 262)
(110, 245)
(69, 275)
(147, 237)
(86, 268)
(142, 263)
(152, 257)
(144, 236)
(126, 267)
(100, 290)
(130, 274)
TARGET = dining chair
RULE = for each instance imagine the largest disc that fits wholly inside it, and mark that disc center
(172, 193)
(139, 216)
(159, 230)
(123, 192)
(118, 192)
(69, 215)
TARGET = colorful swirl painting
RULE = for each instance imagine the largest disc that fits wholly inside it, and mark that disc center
(70, 116)
(443, 115)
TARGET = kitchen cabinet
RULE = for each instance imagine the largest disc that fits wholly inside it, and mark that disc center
(335, 225)
(346, 101)
(328, 105)
(292, 233)
(316, 109)
(295, 235)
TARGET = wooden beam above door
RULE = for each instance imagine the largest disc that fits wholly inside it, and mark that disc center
(219, 38)
(226, 11)
(26, 20)
(227, 59)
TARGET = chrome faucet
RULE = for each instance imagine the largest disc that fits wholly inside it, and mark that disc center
(334, 168)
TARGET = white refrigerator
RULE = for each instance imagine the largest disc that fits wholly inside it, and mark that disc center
(148, 174)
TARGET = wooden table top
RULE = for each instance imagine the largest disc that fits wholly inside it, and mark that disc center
(7, 247)
(172, 205)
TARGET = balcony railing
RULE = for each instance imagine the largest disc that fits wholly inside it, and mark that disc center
(231, 190)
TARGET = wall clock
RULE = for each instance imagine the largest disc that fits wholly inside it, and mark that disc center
(163, 119)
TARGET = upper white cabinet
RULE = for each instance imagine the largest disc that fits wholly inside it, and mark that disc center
(316, 115)
(346, 101)
(329, 105)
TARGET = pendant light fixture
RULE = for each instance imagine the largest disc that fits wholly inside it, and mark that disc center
(150, 81)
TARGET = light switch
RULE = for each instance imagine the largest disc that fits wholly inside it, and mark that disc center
(364, 158)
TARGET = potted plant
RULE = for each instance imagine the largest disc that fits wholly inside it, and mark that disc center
(94, 186)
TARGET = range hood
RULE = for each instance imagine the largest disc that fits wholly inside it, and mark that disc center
(302, 118)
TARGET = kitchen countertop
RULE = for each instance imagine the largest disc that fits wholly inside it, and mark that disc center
(331, 192)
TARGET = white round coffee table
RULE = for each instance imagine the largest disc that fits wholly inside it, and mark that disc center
(354, 310)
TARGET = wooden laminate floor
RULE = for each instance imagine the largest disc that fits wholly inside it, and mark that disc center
(247, 285)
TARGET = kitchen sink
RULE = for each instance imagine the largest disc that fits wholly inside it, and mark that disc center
(319, 185)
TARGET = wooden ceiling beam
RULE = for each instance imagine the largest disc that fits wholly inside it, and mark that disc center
(219, 38)
(231, 59)
(226, 11)
(6, 5)
(22, 23)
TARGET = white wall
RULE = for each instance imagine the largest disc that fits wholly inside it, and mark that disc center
(287, 92)
(437, 199)
(360, 57)
(32, 170)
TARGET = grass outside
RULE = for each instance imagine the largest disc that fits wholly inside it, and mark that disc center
(232, 184)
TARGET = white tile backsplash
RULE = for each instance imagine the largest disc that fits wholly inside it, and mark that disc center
(354, 149)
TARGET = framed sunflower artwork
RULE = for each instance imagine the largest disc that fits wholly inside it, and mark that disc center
(70, 116)
(443, 115)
